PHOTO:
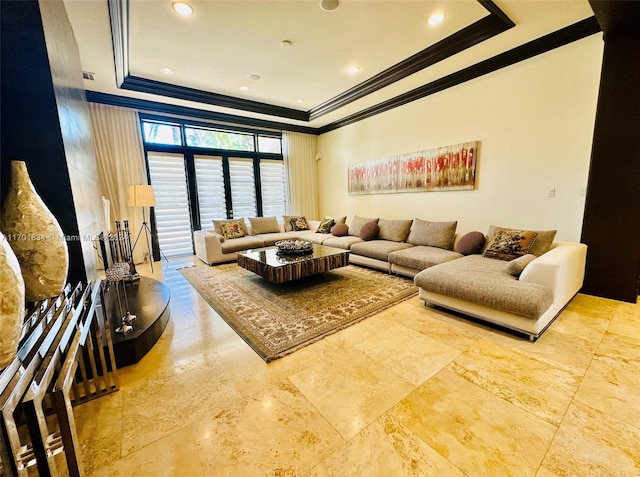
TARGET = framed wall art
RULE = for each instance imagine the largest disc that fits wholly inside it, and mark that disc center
(439, 169)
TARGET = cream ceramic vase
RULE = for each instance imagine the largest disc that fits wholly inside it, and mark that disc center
(35, 237)
(11, 303)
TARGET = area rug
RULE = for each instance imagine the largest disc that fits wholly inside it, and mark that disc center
(278, 319)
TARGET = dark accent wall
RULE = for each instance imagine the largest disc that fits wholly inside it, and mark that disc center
(611, 226)
(45, 122)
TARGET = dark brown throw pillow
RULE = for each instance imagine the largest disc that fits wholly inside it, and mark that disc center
(470, 243)
(369, 231)
(340, 230)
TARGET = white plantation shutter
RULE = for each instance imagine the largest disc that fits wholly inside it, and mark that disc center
(273, 188)
(210, 183)
(173, 221)
(243, 189)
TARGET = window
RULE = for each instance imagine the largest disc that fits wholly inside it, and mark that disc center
(214, 173)
(212, 139)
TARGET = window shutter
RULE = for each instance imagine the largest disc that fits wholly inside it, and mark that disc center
(173, 221)
(243, 189)
(210, 182)
(274, 197)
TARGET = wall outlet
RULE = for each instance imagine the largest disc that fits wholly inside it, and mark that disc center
(551, 193)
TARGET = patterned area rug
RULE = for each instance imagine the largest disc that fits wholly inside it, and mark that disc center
(276, 320)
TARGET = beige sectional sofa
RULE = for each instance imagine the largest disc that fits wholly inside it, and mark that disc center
(524, 295)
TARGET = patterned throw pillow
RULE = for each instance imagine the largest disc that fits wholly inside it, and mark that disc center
(510, 244)
(325, 226)
(231, 230)
(299, 223)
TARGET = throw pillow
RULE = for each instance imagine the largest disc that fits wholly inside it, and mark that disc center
(357, 223)
(338, 220)
(509, 244)
(340, 230)
(325, 226)
(287, 221)
(541, 245)
(369, 231)
(470, 243)
(394, 230)
(232, 230)
(299, 223)
(517, 265)
(264, 225)
(433, 234)
(217, 224)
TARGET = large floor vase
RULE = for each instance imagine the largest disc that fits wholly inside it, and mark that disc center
(35, 237)
(11, 302)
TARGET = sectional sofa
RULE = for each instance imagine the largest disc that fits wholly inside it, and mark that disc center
(463, 273)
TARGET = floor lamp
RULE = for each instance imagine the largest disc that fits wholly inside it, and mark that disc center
(143, 196)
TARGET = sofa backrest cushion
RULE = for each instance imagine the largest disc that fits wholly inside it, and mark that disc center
(508, 244)
(217, 224)
(357, 223)
(340, 230)
(394, 230)
(264, 225)
(542, 244)
(369, 231)
(433, 234)
(339, 220)
(470, 243)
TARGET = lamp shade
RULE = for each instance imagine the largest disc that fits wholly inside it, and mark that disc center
(141, 196)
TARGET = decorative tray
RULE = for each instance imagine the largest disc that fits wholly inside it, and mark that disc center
(293, 247)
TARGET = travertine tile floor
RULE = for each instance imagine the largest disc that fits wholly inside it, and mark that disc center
(411, 391)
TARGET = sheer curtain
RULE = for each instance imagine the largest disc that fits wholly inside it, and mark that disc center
(120, 156)
(299, 151)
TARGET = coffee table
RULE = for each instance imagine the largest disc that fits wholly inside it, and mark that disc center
(278, 268)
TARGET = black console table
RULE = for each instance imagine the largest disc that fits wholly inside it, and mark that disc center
(149, 301)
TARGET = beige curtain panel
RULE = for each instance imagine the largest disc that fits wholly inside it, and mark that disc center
(299, 151)
(120, 156)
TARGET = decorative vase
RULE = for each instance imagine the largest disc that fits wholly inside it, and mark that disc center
(35, 237)
(11, 302)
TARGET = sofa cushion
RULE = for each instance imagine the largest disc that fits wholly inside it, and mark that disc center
(394, 230)
(299, 223)
(541, 244)
(342, 242)
(357, 223)
(264, 225)
(378, 249)
(232, 230)
(325, 226)
(421, 257)
(217, 225)
(270, 239)
(508, 244)
(433, 234)
(287, 221)
(470, 243)
(338, 220)
(311, 236)
(485, 281)
(244, 243)
(369, 231)
(340, 230)
(517, 266)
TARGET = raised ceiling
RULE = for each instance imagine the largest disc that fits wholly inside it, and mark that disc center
(213, 51)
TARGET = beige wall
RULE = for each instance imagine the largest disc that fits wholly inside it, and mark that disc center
(534, 121)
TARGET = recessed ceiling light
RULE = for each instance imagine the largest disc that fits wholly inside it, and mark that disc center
(166, 71)
(436, 19)
(182, 8)
(352, 70)
(329, 5)
(286, 43)
(244, 88)
(300, 101)
(253, 77)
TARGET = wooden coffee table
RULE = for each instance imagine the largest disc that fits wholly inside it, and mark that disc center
(278, 268)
